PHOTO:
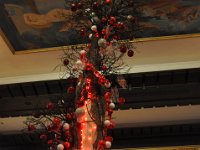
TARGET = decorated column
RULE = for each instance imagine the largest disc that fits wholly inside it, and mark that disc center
(96, 67)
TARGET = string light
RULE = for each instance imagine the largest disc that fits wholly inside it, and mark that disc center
(94, 93)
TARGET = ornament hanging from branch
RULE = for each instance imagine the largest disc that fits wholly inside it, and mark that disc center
(85, 124)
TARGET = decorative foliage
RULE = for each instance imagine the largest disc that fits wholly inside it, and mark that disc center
(85, 125)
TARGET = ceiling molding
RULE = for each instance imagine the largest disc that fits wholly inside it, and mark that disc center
(29, 78)
(127, 118)
(133, 69)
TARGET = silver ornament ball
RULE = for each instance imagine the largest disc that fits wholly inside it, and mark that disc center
(102, 42)
(60, 147)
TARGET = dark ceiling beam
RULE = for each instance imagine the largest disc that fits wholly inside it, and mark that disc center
(161, 96)
(22, 106)
(155, 136)
(151, 89)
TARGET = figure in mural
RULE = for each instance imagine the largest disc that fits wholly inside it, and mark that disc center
(16, 12)
(46, 20)
(42, 21)
(179, 16)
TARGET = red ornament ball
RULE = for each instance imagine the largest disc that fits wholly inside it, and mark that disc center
(121, 25)
(104, 20)
(101, 143)
(112, 125)
(83, 32)
(97, 35)
(68, 116)
(56, 121)
(113, 19)
(110, 112)
(66, 62)
(89, 46)
(88, 80)
(67, 145)
(79, 5)
(50, 142)
(121, 100)
(104, 68)
(108, 138)
(111, 22)
(89, 67)
(107, 96)
(31, 127)
(71, 90)
(101, 81)
(95, 5)
(73, 7)
(50, 105)
(43, 137)
(67, 134)
(108, 1)
(130, 53)
(123, 48)
(103, 31)
(88, 88)
(116, 37)
(115, 25)
(49, 128)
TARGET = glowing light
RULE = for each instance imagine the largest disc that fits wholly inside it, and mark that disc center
(88, 80)
(94, 127)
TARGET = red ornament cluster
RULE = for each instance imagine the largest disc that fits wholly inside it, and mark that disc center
(92, 65)
(76, 5)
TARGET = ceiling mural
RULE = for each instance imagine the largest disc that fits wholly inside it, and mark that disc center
(38, 24)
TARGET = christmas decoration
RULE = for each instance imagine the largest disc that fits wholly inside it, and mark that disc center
(84, 124)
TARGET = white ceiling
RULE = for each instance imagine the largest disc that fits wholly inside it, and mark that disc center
(150, 56)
